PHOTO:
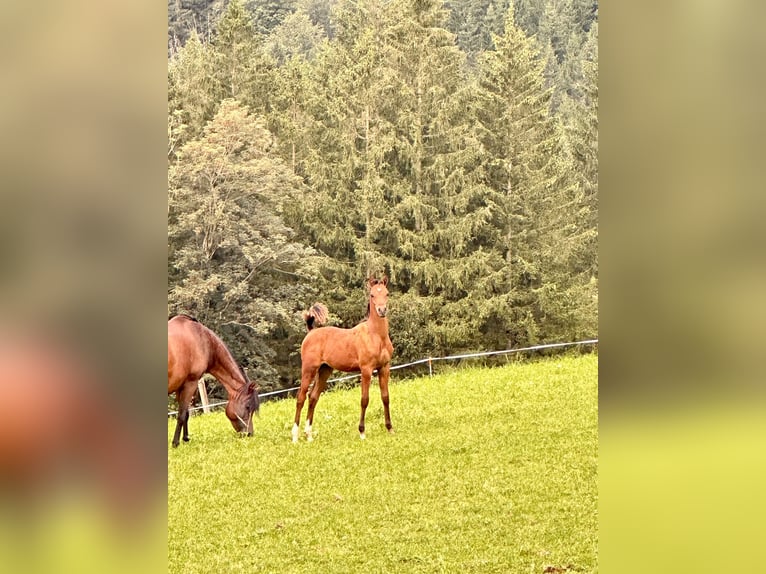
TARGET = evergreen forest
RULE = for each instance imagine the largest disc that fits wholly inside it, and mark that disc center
(451, 145)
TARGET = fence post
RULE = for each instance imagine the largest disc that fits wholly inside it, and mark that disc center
(430, 368)
(203, 396)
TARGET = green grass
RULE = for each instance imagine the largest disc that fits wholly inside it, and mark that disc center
(490, 470)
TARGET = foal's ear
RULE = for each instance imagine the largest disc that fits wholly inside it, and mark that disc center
(384, 281)
(371, 282)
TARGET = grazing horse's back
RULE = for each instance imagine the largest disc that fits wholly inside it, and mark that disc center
(189, 352)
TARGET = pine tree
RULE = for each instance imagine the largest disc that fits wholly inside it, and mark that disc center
(268, 14)
(244, 70)
(445, 214)
(187, 16)
(295, 36)
(320, 13)
(339, 156)
(562, 33)
(474, 22)
(393, 183)
(194, 91)
(290, 120)
(581, 129)
(544, 213)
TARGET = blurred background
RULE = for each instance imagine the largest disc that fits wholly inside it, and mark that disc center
(82, 286)
(682, 315)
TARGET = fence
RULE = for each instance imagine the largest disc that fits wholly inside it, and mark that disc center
(429, 361)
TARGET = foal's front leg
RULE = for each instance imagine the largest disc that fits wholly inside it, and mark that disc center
(383, 375)
(366, 376)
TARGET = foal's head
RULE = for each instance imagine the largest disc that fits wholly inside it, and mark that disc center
(241, 407)
(378, 295)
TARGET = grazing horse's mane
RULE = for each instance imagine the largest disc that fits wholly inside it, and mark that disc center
(227, 353)
(218, 341)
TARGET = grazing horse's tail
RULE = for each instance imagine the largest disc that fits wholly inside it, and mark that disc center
(315, 316)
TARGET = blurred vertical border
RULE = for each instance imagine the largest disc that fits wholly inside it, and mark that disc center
(683, 280)
(82, 286)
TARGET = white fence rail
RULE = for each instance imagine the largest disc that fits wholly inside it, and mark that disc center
(429, 361)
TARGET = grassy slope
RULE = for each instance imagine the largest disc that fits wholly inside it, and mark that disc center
(490, 470)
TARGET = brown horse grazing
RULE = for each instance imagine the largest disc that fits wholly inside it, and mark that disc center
(364, 348)
(194, 350)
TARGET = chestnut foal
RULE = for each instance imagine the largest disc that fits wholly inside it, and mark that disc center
(363, 348)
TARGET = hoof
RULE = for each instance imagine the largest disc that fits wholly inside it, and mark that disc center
(175, 445)
(309, 433)
(361, 436)
(186, 439)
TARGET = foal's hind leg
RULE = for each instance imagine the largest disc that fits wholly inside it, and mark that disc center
(307, 375)
(321, 382)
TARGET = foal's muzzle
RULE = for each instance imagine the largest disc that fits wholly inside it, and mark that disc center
(381, 312)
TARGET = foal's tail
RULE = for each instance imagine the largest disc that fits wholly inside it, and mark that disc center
(315, 316)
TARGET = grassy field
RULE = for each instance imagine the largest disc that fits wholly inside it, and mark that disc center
(490, 470)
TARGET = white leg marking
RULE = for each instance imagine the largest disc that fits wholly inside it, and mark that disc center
(296, 432)
(309, 436)
(361, 436)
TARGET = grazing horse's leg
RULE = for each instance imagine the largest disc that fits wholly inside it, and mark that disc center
(185, 435)
(179, 416)
(383, 375)
(188, 394)
(183, 396)
(307, 375)
(366, 376)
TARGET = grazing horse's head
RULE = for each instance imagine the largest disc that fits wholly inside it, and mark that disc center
(241, 407)
(378, 295)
